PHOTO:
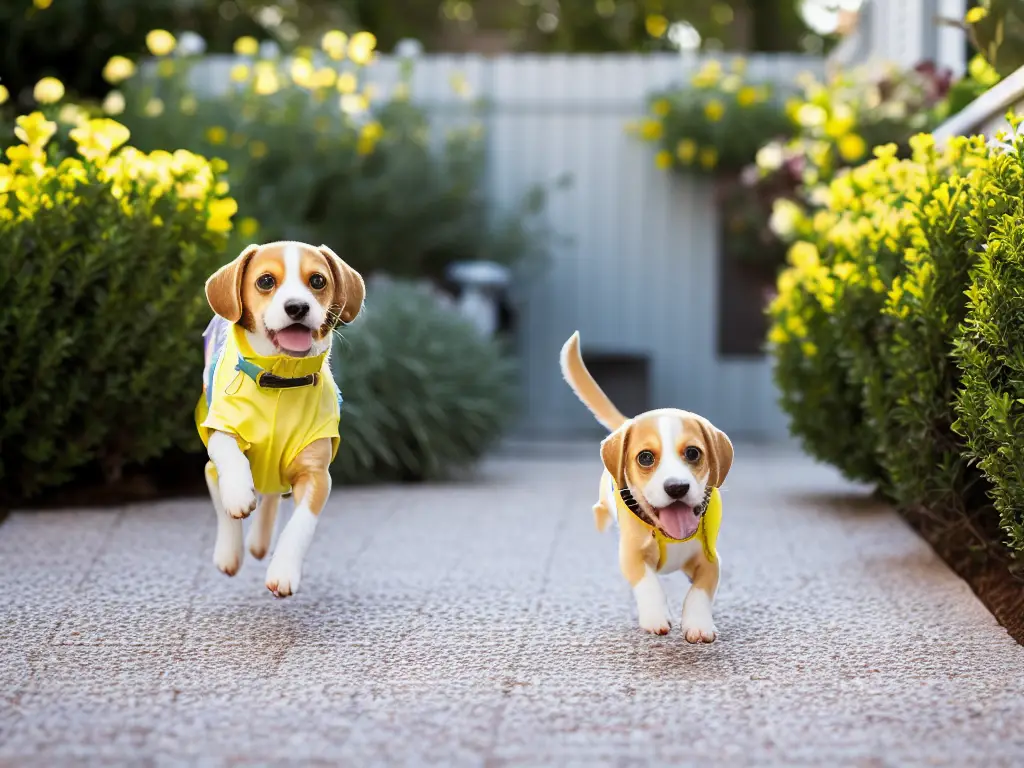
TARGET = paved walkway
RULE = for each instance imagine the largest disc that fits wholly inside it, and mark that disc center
(486, 624)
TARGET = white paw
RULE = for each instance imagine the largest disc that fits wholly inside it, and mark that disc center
(227, 555)
(283, 575)
(256, 544)
(655, 622)
(699, 633)
(238, 496)
(698, 626)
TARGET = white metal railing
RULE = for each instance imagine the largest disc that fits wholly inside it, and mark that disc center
(987, 113)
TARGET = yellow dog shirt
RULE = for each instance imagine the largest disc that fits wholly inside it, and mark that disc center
(707, 528)
(275, 406)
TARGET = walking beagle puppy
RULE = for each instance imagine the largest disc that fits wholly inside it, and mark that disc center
(660, 485)
(270, 407)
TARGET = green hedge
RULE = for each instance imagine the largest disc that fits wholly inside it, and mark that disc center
(424, 393)
(102, 263)
(872, 318)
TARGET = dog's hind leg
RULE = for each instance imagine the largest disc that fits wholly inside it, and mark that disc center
(262, 528)
(311, 483)
(227, 551)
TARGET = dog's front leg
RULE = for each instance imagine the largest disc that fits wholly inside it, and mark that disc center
(651, 605)
(227, 551)
(698, 623)
(237, 490)
(311, 485)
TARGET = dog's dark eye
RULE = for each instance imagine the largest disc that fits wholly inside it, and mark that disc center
(645, 459)
(265, 282)
(317, 282)
(691, 454)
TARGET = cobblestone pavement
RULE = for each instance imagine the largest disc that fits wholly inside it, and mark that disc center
(486, 624)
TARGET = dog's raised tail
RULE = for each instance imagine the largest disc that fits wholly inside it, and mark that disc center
(586, 389)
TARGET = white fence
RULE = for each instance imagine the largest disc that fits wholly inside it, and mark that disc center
(638, 273)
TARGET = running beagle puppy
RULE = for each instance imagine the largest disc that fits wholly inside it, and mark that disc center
(660, 485)
(270, 407)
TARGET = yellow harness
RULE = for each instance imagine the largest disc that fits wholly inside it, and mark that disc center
(274, 406)
(707, 528)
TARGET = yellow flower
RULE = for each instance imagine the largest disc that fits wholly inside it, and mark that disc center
(708, 157)
(746, 96)
(353, 103)
(686, 151)
(656, 24)
(154, 107)
(188, 105)
(72, 114)
(714, 110)
(221, 212)
(4, 94)
(663, 160)
(118, 69)
(258, 149)
(661, 107)
(810, 115)
(246, 46)
(373, 130)
(975, 15)
(852, 147)
(347, 83)
(459, 85)
(333, 44)
(98, 138)
(49, 90)
(248, 226)
(360, 47)
(34, 129)
(221, 188)
(709, 75)
(216, 135)
(30, 160)
(266, 79)
(651, 130)
(160, 42)
(165, 68)
(324, 77)
(42, 5)
(302, 72)
(239, 73)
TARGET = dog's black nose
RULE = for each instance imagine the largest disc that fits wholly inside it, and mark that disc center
(296, 310)
(676, 489)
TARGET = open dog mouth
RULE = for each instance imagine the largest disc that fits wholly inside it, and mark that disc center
(295, 339)
(678, 520)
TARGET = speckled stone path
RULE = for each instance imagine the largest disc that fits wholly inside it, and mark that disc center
(486, 624)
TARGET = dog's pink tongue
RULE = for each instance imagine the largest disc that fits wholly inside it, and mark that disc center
(295, 338)
(678, 520)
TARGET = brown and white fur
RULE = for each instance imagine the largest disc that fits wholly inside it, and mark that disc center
(312, 289)
(667, 458)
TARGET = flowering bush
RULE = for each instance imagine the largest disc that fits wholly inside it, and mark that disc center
(317, 154)
(870, 312)
(715, 125)
(103, 254)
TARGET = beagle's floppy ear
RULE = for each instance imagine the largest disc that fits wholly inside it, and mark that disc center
(349, 288)
(720, 453)
(613, 453)
(224, 287)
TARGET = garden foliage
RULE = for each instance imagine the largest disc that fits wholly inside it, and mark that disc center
(103, 255)
(896, 316)
(425, 393)
(318, 153)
